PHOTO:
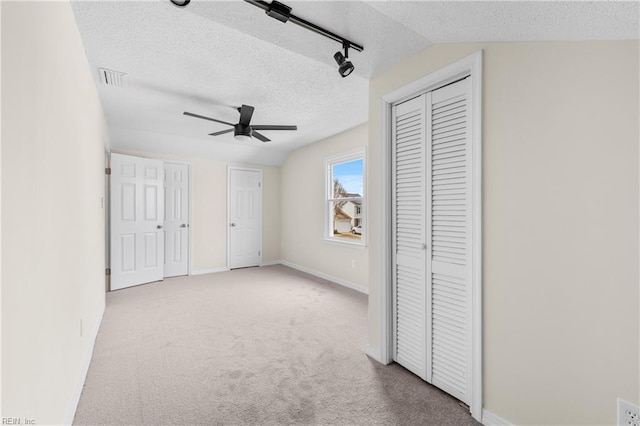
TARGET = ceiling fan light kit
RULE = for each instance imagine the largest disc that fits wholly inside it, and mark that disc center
(282, 13)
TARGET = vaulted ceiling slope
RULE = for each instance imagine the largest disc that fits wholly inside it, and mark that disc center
(213, 56)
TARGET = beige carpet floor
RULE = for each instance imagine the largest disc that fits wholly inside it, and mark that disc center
(260, 346)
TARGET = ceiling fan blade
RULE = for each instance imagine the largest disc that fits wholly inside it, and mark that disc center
(273, 127)
(246, 111)
(257, 135)
(221, 132)
(190, 114)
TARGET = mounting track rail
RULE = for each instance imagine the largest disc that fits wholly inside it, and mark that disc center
(283, 13)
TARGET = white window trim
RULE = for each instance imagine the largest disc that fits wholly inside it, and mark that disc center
(328, 162)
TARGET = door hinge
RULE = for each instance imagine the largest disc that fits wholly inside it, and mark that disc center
(259, 253)
(107, 170)
(107, 271)
(259, 184)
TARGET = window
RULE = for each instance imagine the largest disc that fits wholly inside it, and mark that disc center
(345, 198)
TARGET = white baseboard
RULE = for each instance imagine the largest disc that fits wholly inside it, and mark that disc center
(209, 270)
(75, 399)
(490, 419)
(345, 283)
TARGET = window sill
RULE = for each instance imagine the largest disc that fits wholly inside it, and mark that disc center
(338, 241)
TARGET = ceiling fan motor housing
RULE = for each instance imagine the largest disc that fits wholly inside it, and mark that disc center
(241, 130)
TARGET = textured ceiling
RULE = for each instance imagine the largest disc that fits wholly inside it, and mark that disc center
(215, 55)
(471, 21)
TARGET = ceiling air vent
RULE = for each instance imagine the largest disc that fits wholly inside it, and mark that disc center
(113, 78)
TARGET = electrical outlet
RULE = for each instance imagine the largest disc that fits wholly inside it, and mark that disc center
(353, 263)
(628, 414)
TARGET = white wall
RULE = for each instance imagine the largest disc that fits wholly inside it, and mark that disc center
(560, 221)
(209, 201)
(303, 189)
(54, 135)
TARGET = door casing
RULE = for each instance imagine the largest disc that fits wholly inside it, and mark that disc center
(248, 169)
(470, 65)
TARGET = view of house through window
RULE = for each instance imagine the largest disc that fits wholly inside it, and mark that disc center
(346, 180)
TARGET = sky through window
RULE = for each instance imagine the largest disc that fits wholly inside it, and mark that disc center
(350, 175)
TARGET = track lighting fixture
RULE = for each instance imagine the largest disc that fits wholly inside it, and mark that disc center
(345, 67)
(180, 3)
(282, 13)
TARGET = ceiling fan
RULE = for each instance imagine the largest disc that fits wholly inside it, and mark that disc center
(243, 131)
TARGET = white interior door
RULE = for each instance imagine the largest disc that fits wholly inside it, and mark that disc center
(176, 219)
(137, 210)
(450, 215)
(245, 218)
(432, 244)
(409, 275)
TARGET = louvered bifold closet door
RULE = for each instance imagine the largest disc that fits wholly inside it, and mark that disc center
(408, 192)
(449, 160)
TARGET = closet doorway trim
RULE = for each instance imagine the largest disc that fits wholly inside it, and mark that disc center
(468, 66)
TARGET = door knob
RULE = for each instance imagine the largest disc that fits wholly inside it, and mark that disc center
(184, 225)
(232, 224)
(159, 226)
(424, 246)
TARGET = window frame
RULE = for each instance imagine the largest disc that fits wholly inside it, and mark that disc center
(357, 154)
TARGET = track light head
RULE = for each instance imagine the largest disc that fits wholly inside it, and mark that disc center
(345, 67)
(180, 3)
